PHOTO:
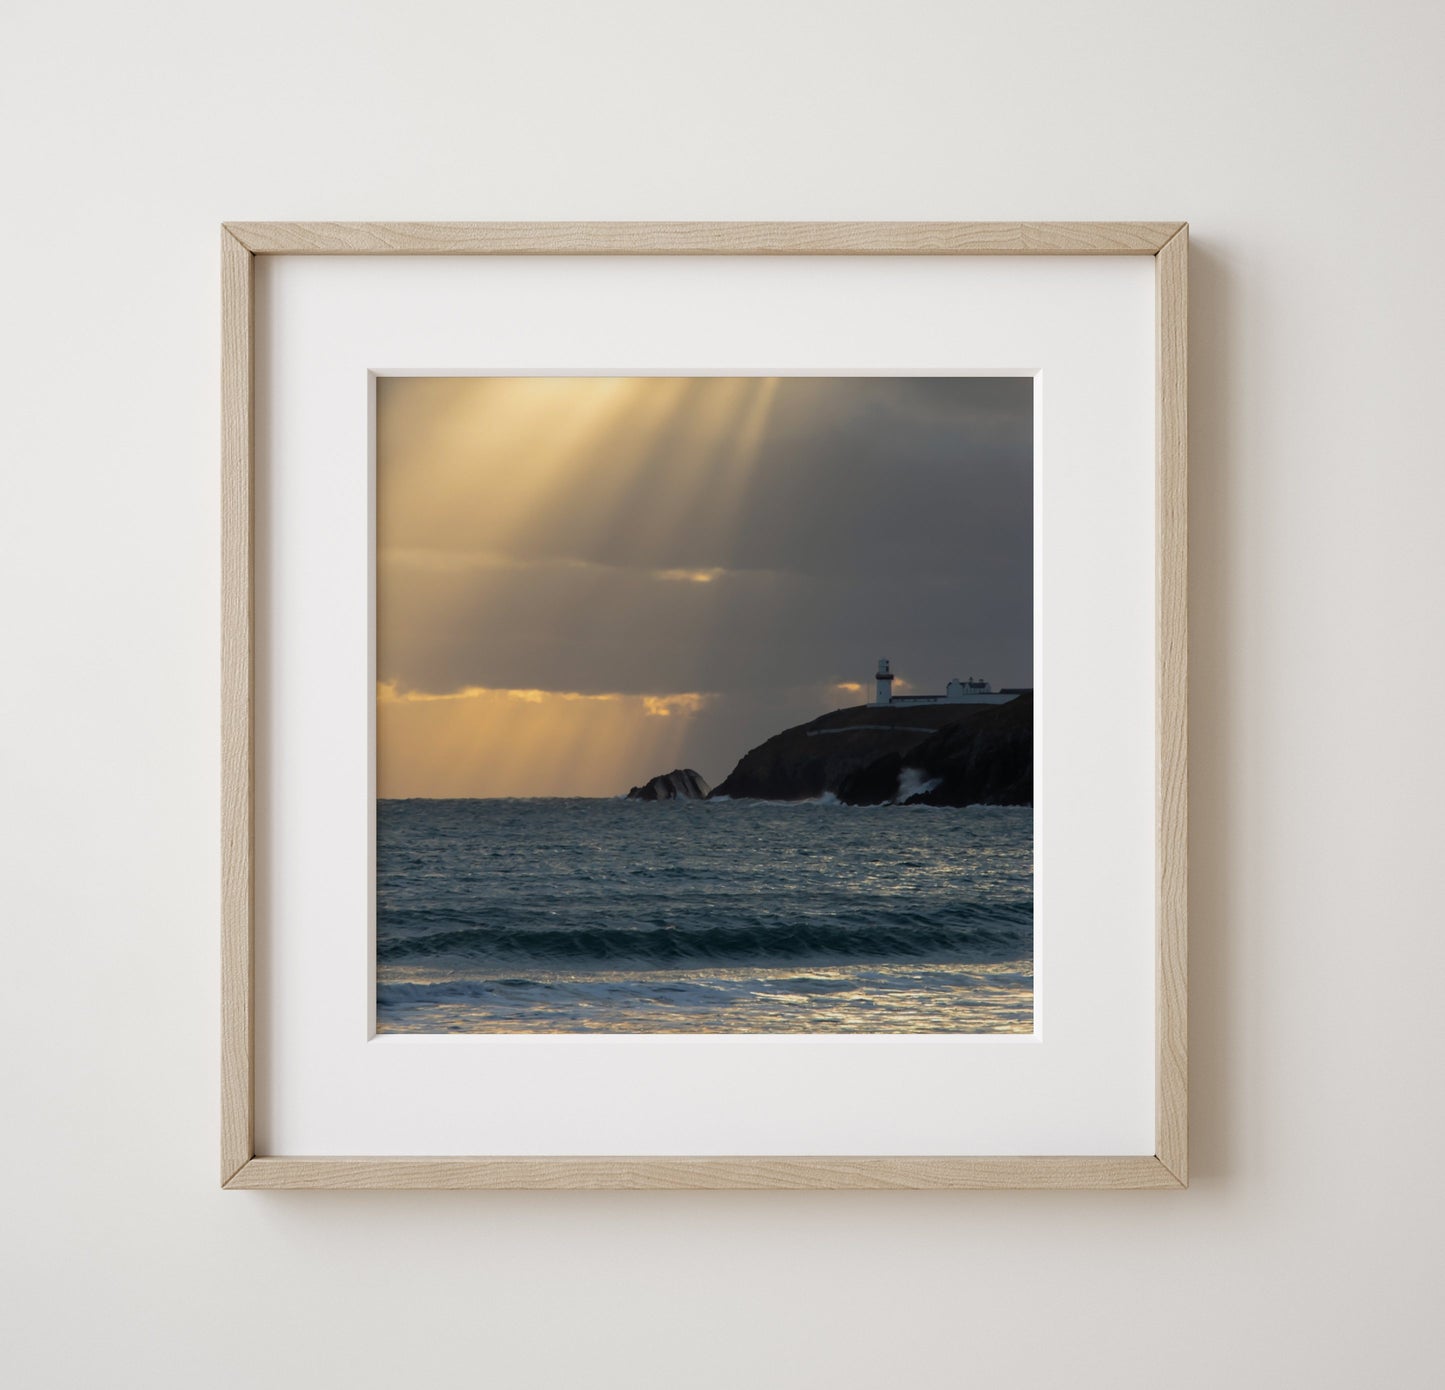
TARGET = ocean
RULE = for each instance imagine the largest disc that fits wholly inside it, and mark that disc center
(615, 916)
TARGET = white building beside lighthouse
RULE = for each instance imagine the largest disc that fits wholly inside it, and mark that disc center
(958, 692)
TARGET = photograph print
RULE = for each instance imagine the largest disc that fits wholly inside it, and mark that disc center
(704, 705)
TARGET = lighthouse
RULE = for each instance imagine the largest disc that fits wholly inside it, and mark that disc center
(884, 683)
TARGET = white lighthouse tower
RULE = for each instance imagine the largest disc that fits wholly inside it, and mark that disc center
(883, 683)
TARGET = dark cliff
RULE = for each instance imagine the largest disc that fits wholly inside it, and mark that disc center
(859, 754)
(985, 760)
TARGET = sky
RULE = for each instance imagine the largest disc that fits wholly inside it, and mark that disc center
(583, 582)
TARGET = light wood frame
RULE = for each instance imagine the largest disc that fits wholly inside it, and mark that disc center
(242, 242)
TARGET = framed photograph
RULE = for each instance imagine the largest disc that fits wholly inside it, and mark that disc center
(704, 705)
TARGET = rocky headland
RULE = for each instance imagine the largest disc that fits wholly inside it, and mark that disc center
(935, 755)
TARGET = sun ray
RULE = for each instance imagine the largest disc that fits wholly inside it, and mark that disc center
(499, 497)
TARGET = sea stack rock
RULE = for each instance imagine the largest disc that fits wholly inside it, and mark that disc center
(681, 784)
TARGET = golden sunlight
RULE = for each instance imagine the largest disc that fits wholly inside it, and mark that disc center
(691, 576)
(508, 466)
(490, 489)
(481, 742)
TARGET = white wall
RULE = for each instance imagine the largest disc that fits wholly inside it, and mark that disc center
(1303, 145)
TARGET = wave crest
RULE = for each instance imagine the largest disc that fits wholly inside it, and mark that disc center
(996, 935)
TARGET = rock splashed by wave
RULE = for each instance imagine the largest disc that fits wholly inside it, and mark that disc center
(686, 916)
